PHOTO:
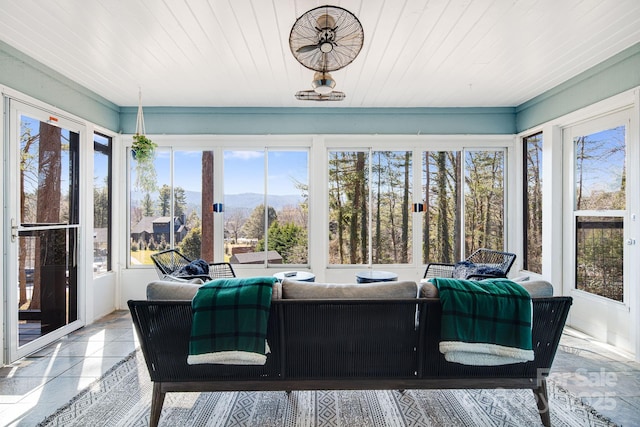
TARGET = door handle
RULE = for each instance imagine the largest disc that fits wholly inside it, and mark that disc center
(631, 241)
(14, 229)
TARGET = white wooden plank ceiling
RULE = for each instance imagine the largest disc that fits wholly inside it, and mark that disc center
(417, 53)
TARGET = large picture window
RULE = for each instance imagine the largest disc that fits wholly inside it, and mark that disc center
(484, 200)
(442, 188)
(166, 211)
(369, 197)
(464, 197)
(266, 206)
(379, 209)
(171, 206)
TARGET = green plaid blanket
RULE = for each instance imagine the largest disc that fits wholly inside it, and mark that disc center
(230, 319)
(485, 322)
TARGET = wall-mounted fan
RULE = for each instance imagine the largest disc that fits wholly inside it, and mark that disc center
(325, 39)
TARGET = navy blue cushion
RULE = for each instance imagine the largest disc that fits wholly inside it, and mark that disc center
(196, 267)
(464, 269)
(490, 271)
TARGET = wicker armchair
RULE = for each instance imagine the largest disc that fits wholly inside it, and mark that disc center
(169, 264)
(488, 263)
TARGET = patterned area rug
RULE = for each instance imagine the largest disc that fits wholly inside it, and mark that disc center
(122, 397)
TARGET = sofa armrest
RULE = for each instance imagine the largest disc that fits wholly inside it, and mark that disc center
(538, 288)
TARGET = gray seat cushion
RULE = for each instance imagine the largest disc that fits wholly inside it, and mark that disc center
(292, 289)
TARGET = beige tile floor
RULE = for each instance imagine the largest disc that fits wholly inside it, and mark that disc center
(36, 386)
(602, 376)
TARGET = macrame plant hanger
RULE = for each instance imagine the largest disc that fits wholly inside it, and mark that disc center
(143, 150)
(140, 119)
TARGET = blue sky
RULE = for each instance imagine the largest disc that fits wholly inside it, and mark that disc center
(243, 171)
(603, 168)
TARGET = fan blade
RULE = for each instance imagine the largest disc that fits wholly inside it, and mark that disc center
(307, 48)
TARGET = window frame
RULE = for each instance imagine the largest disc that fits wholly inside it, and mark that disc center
(525, 198)
(107, 150)
(267, 150)
(318, 147)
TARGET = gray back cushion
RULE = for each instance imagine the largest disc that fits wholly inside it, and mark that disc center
(292, 289)
(173, 290)
(169, 290)
(536, 288)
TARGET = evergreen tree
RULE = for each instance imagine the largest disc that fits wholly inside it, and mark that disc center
(254, 227)
(289, 240)
(164, 200)
(179, 201)
(147, 206)
(100, 206)
(191, 244)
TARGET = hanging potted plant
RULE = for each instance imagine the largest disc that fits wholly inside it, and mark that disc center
(142, 149)
(143, 152)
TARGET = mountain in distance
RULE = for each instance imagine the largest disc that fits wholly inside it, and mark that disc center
(250, 201)
(247, 201)
(244, 201)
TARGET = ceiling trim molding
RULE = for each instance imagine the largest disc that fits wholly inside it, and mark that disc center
(285, 121)
(619, 73)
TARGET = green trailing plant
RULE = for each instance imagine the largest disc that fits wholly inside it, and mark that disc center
(143, 148)
(143, 151)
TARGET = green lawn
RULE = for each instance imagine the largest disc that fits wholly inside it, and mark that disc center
(142, 257)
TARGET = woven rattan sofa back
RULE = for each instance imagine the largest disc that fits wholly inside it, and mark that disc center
(335, 339)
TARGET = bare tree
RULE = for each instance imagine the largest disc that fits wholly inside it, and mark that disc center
(49, 193)
(26, 159)
(207, 206)
(426, 234)
(234, 220)
(405, 211)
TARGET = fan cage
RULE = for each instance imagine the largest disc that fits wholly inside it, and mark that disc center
(347, 39)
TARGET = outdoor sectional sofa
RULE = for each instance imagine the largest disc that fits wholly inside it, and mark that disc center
(339, 337)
